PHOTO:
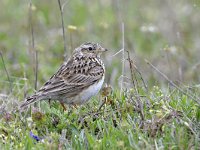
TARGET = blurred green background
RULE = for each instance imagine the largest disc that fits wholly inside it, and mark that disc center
(166, 32)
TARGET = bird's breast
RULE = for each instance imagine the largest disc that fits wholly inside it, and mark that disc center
(86, 94)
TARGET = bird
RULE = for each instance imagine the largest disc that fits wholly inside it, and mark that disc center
(77, 80)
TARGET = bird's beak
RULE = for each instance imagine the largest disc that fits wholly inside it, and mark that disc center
(103, 49)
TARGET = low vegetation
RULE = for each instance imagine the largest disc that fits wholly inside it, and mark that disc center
(150, 98)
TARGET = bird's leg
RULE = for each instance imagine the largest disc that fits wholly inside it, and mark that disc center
(104, 102)
(50, 103)
(63, 105)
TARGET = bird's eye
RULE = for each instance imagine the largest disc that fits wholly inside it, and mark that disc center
(90, 48)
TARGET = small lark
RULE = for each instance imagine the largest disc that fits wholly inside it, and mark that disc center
(77, 80)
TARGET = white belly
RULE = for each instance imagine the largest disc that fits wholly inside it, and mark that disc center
(85, 95)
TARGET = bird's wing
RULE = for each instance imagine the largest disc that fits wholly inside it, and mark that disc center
(72, 78)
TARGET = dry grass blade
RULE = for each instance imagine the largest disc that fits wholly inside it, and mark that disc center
(63, 26)
(33, 44)
(123, 61)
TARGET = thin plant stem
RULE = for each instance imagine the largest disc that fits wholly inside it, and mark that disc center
(35, 68)
(123, 60)
(33, 45)
(63, 28)
(7, 74)
(196, 99)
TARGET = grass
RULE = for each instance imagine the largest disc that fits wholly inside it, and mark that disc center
(159, 116)
(154, 121)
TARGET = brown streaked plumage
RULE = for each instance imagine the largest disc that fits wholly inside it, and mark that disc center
(77, 80)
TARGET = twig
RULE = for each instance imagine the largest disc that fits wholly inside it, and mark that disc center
(138, 100)
(131, 69)
(131, 64)
(196, 99)
(63, 28)
(123, 61)
(7, 74)
(145, 85)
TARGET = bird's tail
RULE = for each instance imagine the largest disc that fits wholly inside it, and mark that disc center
(29, 100)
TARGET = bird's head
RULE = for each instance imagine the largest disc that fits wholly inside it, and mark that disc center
(90, 48)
